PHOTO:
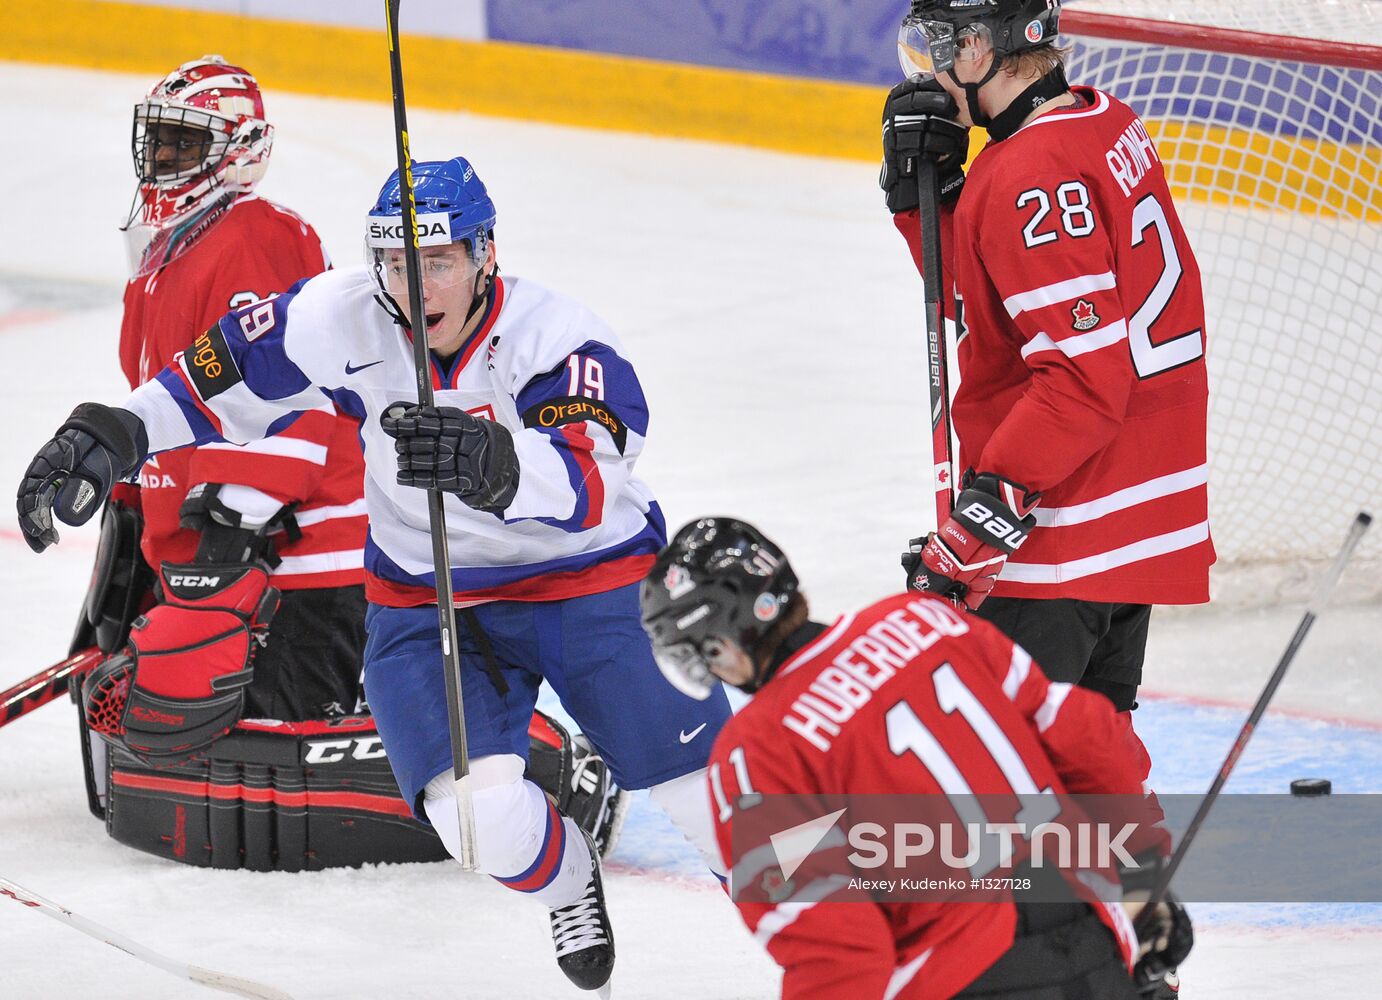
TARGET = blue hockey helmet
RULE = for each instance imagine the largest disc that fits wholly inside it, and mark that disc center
(452, 205)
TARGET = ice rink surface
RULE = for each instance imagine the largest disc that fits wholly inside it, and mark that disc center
(774, 316)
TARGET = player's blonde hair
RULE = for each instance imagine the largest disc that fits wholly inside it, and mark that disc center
(1033, 64)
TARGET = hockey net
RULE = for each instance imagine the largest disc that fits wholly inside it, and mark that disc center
(1268, 117)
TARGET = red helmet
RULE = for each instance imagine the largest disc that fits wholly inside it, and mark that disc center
(199, 138)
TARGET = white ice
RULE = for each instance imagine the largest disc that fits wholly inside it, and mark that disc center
(774, 316)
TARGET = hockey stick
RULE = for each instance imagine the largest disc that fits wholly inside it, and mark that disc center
(928, 200)
(436, 513)
(1355, 534)
(45, 685)
(206, 977)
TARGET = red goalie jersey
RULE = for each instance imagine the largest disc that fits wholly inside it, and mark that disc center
(257, 249)
(935, 693)
(1082, 356)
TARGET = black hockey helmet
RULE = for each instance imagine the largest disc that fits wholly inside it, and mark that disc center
(933, 29)
(719, 579)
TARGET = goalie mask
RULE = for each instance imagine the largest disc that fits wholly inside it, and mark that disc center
(200, 139)
(719, 580)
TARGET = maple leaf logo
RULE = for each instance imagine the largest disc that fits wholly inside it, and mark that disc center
(1085, 318)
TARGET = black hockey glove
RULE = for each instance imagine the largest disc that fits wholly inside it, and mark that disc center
(919, 120)
(74, 472)
(1165, 937)
(445, 448)
(225, 538)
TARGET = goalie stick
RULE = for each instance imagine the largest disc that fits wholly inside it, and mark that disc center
(210, 978)
(44, 686)
(1355, 534)
(938, 380)
(436, 513)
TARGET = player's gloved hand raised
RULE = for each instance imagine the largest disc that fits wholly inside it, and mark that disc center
(962, 560)
(75, 471)
(445, 448)
(919, 119)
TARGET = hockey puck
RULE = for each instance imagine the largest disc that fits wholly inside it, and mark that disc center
(1311, 786)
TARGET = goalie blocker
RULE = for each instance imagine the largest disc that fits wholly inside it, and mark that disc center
(304, 796)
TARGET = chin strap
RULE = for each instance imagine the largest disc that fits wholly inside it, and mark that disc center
(971, 90)
(1010, 119)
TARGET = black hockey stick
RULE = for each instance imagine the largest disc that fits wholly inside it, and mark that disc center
(441, 556)
(1317, 603)
(943, 463)
(44, 686)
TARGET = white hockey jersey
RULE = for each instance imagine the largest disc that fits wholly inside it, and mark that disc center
(539, 363)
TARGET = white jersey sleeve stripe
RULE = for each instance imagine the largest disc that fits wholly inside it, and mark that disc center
(321, 562)
(1050, 708)
(1152, 489)
(1084, 343)
(1075, 569)
(317, 515)
(1018, 670)
(904, 974)
(1060, 291)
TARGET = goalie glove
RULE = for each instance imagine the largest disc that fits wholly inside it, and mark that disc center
(180, 685)
(962, 560)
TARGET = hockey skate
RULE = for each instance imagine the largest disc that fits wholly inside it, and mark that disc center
(582, 935)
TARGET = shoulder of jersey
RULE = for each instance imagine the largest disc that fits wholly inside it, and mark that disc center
(255, 209)
(1051, 142)
(539, 327)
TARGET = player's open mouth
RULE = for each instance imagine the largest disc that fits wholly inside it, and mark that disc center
(433, 319)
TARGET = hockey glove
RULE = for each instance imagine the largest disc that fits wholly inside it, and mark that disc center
(1165, 937)
(180, 684)
(230, 535)
(962, 560)
(919, 120)
(74, 472)
(444, 448)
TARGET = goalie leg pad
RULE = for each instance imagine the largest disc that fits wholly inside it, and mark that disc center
(270, 796)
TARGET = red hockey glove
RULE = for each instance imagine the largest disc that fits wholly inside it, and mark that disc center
(181, 683)
(962, 560)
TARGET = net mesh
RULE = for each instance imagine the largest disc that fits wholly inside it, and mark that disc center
(1275, 165)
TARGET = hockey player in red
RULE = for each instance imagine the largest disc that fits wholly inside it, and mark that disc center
(1082, 400)
(907, 695)
(203, 243)
(1081, 410)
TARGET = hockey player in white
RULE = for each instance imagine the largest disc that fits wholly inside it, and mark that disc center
(538, 422)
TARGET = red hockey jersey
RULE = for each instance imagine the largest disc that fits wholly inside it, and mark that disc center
(938, 699)
(258, 248)
(1082, 356)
